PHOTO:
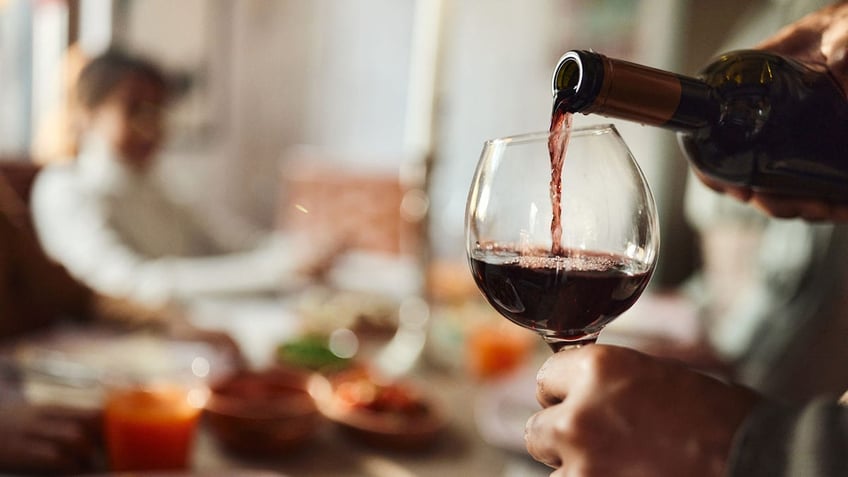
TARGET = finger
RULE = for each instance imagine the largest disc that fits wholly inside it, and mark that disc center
(69, 438)
(833, 48)
(556, 376)
(564, 372)
(801, 43)
(800, 36)
(791, 207)
(32, 455)
(90, 420)
(709, 182)
(582, 372)
(742, 194)
(65, 412)
(541, 437)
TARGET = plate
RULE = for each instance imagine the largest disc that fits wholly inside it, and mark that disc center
(68, 366)
(267, 413)
(392, 414)
(216, 473)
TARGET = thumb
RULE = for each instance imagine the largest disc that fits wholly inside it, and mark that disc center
(834, 47)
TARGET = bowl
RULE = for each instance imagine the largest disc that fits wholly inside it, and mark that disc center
(265, 413)
(391, 414)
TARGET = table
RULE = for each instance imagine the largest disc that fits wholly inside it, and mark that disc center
(665, 324)
(460, 452)
(258, 324)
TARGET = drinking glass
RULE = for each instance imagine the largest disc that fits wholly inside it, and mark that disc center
(566, 290)
(150, 417)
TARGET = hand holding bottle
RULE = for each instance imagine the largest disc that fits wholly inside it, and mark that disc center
(611, 408)
(819, 40)
(786, 207)
(766, 126)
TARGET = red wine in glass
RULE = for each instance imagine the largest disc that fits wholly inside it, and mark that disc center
(567, 298)
(603, 229)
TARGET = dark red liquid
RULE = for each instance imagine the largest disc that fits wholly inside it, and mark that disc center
(557, 144)
(568, 297)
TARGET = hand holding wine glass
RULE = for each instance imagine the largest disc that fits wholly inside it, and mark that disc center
(561, 253)
(629, 411)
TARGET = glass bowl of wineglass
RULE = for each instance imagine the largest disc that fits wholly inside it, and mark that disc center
(562, 233)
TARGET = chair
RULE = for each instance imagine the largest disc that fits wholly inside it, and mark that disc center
(20, 173)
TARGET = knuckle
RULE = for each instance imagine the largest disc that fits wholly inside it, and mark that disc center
(612, 362)
(600, 361)
(570, 426)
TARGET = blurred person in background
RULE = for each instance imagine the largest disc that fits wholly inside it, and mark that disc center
(37, 294)
(108, 218)
(612, 411)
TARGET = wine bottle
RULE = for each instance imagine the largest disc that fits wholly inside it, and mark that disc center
(750, 118)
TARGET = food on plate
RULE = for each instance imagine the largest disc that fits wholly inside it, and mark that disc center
(265, 412)
(384, 413)
(359, 390)
(311, 352)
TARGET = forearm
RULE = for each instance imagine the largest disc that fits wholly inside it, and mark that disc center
(784, 441)
(123, 312)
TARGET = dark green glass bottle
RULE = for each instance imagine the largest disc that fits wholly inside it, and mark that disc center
(750, 118)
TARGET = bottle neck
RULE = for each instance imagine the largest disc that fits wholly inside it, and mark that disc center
(588, 82)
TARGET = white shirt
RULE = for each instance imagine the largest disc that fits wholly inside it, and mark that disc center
(119, 232)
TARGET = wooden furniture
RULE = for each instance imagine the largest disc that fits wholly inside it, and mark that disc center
(20, 173)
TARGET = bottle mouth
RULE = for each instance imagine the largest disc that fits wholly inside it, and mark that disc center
(568, 75)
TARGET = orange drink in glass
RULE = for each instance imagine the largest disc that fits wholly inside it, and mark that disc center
(151, 428)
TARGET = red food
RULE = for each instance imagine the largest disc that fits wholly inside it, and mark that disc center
(358, 390)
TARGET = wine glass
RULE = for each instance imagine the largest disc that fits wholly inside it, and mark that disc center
(567, 289)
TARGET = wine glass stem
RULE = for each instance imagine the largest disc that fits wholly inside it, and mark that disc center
(558, 345)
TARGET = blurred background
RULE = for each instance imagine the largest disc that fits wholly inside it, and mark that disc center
(307, 98)
(380, 84)
(364, 119)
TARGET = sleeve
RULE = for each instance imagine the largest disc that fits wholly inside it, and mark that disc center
(783, 441)
(74, 230)
(226, 231)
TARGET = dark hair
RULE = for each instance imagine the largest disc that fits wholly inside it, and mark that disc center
(103, 73)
